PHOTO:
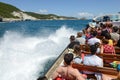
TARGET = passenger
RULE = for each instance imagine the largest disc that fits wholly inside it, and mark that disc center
(87, 32)
(114, 35)
(78, 55)
(67, 72)
(99, 30)
(93, 60)
(80, 39)
(108, 37)
(93, 40)
(104, 30)
(72, 42)
(106, 48)
(109, 27)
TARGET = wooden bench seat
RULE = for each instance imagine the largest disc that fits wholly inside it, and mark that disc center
(103, 70)
(107, 56)
(87, 48)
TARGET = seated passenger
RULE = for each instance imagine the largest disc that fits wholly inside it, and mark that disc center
(93, 40)
(80, 39)
(114, 35)
(72, 42)
(106, 48)
(78, 55)
(108, 37)
(67, 72)
(93, 60)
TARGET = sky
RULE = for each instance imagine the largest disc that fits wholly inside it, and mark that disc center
(74, 8)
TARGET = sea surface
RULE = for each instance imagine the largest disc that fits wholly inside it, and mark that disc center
(29, 48)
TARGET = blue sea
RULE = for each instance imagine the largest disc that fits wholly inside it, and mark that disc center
(29, 48)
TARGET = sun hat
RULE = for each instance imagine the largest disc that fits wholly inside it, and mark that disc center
(92, 25)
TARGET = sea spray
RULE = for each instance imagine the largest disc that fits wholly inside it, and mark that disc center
(27, 57)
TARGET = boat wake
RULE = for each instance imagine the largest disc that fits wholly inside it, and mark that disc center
(28, 57)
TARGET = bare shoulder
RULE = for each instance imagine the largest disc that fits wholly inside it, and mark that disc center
(75, 71)
(60, 69)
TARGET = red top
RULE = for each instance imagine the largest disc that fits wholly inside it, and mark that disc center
(108, 49)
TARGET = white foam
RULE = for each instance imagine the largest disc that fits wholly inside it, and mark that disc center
(22, 58)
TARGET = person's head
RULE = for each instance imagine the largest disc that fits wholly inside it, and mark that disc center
(72, 38)
(93, 49)
(107, 36)
(77, 49)
(79, 34)
(68, 58)
(115, 29)
(105, 41)
(97, 44)
(94, 33)
(103, 26)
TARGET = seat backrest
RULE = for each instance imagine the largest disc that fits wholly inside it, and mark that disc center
(104, 70)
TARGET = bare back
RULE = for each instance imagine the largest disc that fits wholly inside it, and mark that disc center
(69, 73)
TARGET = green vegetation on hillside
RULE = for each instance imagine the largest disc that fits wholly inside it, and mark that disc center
(6, 10)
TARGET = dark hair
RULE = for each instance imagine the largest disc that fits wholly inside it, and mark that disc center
(94, 33)
(93, 49)
(68, 58)
(87, 26)
(77, 48)
(115, 28)
(105, 41)
(72, 37)
(79, 34)
(97, 44)
(107, 36)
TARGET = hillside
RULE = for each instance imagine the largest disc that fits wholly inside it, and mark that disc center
(48, 16)
(6, 10)
(10, 13)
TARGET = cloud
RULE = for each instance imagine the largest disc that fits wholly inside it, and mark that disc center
(85, 14)
(43, 11)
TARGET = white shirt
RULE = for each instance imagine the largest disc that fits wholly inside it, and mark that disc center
(93, 60)
(81, 40)
(93, 40)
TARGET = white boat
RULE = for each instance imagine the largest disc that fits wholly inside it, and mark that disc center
(114, 18)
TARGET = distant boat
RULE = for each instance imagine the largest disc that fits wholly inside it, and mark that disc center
(114, 18)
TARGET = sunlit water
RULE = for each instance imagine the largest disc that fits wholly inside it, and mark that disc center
(28, 49)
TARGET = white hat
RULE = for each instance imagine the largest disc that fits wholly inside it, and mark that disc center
(92, 25)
